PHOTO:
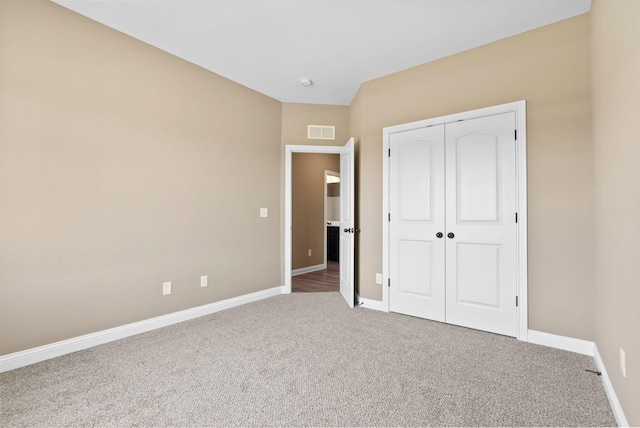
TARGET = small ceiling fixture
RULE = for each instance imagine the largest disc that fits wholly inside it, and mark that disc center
(306, 82)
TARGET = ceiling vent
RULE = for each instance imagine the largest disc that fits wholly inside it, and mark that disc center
(320, 132)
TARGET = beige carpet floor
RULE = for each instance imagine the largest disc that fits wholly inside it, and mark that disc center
(307, 360)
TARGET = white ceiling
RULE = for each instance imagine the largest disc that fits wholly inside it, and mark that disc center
(269, 45)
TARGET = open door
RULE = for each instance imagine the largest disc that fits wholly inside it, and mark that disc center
(347, 223)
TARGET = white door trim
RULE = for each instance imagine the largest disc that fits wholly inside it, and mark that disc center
(289, 150)
(519, 107)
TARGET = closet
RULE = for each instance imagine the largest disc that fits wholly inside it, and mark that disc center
(452, 222)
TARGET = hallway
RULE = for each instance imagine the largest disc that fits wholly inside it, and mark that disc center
(323, 280)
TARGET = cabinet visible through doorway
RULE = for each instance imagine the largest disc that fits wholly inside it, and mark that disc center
(333, 243)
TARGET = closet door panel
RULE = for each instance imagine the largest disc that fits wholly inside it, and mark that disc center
(416, 265)
(480, 223)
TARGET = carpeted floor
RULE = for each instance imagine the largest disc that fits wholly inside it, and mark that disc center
(305, 359)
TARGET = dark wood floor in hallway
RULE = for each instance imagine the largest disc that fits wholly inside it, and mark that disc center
(322, 280)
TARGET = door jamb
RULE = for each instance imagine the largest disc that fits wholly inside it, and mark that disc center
(288, 158)
(519, 108)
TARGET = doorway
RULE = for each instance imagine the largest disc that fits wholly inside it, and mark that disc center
(346, 221)
(454, 195)
(315, 222)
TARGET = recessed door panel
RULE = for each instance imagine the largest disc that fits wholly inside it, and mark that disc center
(477, 178)
(478, 276)
(414, 267)
(416, 179)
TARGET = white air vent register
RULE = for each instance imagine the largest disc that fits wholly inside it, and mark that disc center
(321, 132)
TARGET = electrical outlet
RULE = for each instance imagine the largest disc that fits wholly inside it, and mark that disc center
(166, 288)
(623, 362)
(378, 278)
(264, 212)
(309, 253)
(204, 281)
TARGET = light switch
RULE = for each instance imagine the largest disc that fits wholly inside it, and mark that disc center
(264, 212)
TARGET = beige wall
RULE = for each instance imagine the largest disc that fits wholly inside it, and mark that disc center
(549, 68)
(307, 211)
(295, 118)
(121, 167)
(616, 104)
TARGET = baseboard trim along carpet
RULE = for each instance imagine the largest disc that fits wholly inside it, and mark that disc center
(52, 350)
(584, 347)
(578, 346)
(616, 407)
(308, 269)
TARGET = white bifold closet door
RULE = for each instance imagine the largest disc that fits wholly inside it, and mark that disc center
(452, 223)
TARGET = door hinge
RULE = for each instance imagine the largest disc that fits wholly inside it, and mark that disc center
(388, 282)
(516, 217)
(389, 216)
(515, 134)
(516, 300)
(389, 152)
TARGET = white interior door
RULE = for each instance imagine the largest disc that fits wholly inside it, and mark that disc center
(452, 225)
(417, 223)
(481, 224)
(347, 223)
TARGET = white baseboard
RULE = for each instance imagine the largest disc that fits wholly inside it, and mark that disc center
(616, 407)
(587, 348)
(370, 304)
(308, 269)
(52, 350)
(578, 346)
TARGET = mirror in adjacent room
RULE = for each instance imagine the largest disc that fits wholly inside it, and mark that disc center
(332, 205)
(332, 215)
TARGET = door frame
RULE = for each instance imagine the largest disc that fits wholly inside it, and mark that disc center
(519, 108)
(288, 161)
